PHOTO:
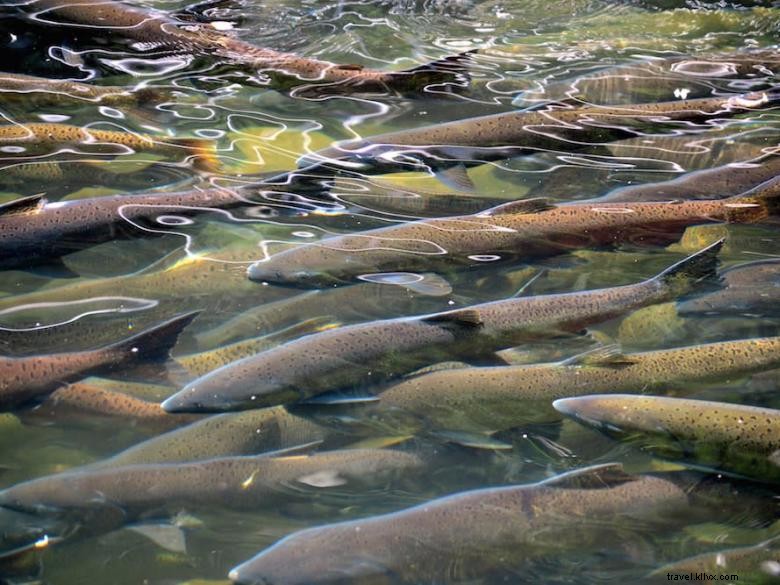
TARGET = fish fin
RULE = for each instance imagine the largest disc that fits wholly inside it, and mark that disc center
(593, 477)
(683, 276)
(155, 343)
(205, 155)
(379, 442)
(294, 450)
(52, 268)
(765, 198)
(349, 67)
(431, 285)
(337, 398)
(453, 68)
(306, 327)
(166, 536)
(323, 479)
(529, 283)
(452, 365)
(774, 458)
(456, 177)
(608, 356)
(29, 204)
(473, 440)
(487, 359)
(466, 318)
(523, 206)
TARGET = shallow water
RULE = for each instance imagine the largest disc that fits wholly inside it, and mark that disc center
(199, 263)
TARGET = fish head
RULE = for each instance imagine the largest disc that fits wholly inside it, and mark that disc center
(319, 556)
(302, 268)
(610, 413)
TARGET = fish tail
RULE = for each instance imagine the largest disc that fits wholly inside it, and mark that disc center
(756, 204)
(684, 276)
(153, 344)
(150, 95)
(204, 153)
(452, 69)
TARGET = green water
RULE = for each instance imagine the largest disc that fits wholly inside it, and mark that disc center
(520, 46)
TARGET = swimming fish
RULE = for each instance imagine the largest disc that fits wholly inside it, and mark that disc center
(156, 29)
(34, 231)
(733, 437)
(444, 148)
(44, 138)
(23, 379)
(378, 350)
(471, 534)
(43, 91)
(502, 397)
(531, 228)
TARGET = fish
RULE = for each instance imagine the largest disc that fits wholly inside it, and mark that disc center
(503, 397)
(471, 534)
(527, 229)
(158, 30)
(446, 148)
(712, 183)
(759, 563)
(23, 379)
(378, 350)
(749, 288)
(138, 492)
(42, 91)
(733, 437)
(34, 231)
(230, 434)
(40, 138)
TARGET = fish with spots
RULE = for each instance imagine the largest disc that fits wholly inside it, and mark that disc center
(492, 399)
(376, 351)
(38, 138)
(130, 493)
(470, 535)
(154, 29)
(732, 437)
(527, 229)
(24, 379)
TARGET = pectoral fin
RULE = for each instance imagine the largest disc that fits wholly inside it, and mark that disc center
(166, 536)
(593, 477)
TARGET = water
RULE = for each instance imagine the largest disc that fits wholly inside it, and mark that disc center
(199, 263)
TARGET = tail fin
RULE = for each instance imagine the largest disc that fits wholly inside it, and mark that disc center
(682, 277)
(203, 151)
(155, 343)
(758, 203)
(451, 69)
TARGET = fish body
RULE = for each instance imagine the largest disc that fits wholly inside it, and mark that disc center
(33, 230)
(371, 352)
(527, 229)
(27, 378)
(467, 535)
(157, 29)
(503, 397)
(738, 438)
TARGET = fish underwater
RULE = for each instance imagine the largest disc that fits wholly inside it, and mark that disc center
(378, 350)
(32, 377)
(528, 229)
(732, 437)
(472, 534)
(158, 30)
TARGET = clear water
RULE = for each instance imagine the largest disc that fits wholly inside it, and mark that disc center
(520, 45)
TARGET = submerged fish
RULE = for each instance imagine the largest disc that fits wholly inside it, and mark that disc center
(244, 483)
(23, 379)
(41, 138)
(156, 29)
(42, 91)
(34, 231)
(378, 350)
(529, 229)
(471, 534)
(445, 147)
(499, 398)
(733, 437)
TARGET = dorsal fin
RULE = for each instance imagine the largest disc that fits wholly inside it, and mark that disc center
(608, 356)
(524, 206)
(350, 67)
(466, 318)
(593, 477)
(24, 205)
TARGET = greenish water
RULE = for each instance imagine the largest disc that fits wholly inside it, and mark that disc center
(128, 285)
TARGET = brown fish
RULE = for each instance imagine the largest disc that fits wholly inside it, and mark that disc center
(378, 350)
(24, 379)
(469, 535)
(155, 29)
(528, 229)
